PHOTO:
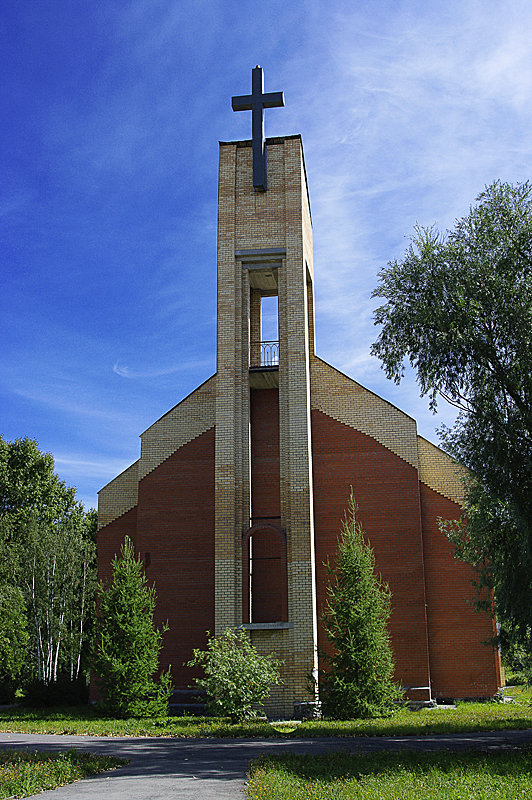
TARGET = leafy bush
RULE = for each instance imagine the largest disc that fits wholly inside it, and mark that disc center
(127, 644)
(237, 677)
(358, 682)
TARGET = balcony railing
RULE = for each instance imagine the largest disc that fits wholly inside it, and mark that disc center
(263, 354)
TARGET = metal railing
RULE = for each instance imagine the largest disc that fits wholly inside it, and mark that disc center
(264, 354)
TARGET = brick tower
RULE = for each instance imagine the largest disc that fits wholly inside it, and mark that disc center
(265, 570)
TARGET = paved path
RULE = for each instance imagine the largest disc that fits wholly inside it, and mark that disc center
(215, 769)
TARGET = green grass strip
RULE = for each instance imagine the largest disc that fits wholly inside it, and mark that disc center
(465, 718)
(25, 773)
(497, 775)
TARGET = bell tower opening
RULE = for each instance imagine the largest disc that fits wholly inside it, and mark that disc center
(270, 318)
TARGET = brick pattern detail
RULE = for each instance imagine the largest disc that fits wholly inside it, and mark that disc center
(268, 545)
(259, 216)
(118, 496)
(461, 664)
(347, 401)
(188, 419)
(440, 472)
(175, 536)
(386, 489)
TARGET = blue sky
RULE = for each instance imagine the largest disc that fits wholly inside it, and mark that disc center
(108, 157)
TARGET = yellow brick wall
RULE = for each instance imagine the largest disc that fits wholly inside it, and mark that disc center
(118, 496)
(297, 505)
(347, 401)
(249, 220)
(259, 216)
(232, 506)
(440, 472)
(187, 420)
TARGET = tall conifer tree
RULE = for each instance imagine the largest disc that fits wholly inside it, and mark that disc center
(127, 643)
(359, 679)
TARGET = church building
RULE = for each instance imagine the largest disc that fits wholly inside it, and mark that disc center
(236, 501)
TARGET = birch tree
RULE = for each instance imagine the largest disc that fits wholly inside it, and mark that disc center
(58, 581)
(48, 556)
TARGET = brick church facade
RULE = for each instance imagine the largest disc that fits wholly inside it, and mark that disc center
(236, 500)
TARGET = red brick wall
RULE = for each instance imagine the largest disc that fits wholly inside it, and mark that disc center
(386, 489)
(173, 529)
(268, 575)
(461, 666)
(176, 529)
(265, 464)
(269, 549)
(110, 538)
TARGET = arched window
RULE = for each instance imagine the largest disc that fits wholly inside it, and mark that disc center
(264, 582)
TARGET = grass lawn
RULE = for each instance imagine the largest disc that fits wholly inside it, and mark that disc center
(465, 717)
(23, 774)
(497, 775)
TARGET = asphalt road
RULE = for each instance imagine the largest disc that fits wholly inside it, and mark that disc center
(215, 769)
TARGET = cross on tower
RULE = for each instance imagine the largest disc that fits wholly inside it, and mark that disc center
(256, 102)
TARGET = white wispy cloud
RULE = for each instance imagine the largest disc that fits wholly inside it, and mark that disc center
(126, 372)
(79, 466)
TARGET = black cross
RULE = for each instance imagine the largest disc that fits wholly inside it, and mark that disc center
(256, 102)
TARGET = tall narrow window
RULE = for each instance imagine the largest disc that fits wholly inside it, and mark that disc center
(264, 587)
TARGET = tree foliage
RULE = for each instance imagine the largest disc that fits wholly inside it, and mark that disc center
(459, 309)
(13, 639)
(47, 556)
(237, 678)
(359, 678)
(57, 576)
(29, 486)
(126, 642)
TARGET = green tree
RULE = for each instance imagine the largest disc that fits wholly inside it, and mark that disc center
(127, 644)
(237, 678)
(13, 639)
(47, 554)
(358, 682)
(459, 309)
(29, 485)
(58, 578)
